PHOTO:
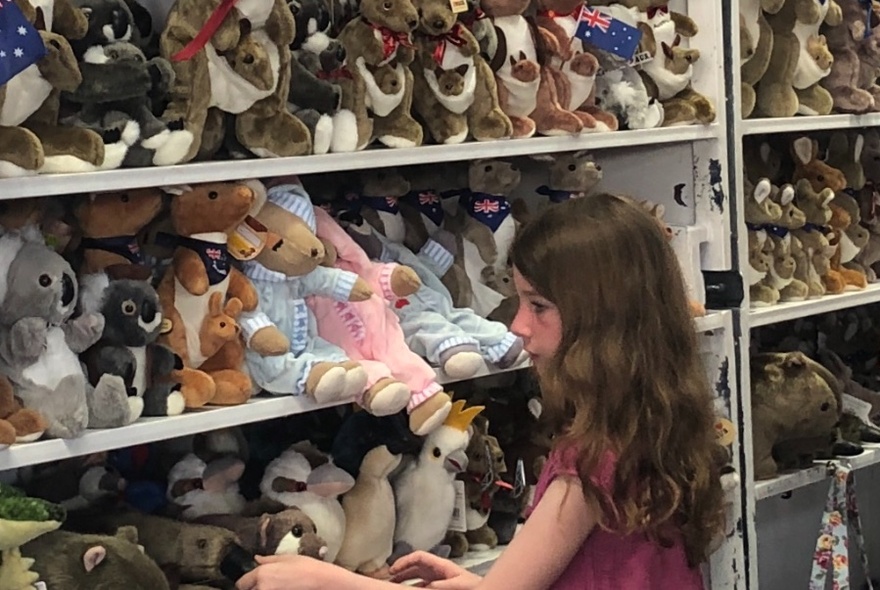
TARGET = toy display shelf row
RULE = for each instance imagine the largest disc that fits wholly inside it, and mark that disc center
(258, 409)
(130, 178)
(806, 124)
(820, 472)
(783, 312)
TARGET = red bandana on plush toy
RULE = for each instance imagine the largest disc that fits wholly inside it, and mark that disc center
(453, 36)
(206, 32)
(391, 40)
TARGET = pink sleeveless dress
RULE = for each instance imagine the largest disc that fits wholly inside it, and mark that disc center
(607, 561)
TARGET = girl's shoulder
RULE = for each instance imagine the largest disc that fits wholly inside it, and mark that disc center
(563, 462)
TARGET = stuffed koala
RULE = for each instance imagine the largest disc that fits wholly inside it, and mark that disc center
(120, 83)
(128, 348)
(40, 341)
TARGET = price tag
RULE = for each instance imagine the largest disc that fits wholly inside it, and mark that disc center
(458, 523)
(725, 432)
(40, 586)
(856, 407)
(166, 326)
(458, 6)
(248, 239)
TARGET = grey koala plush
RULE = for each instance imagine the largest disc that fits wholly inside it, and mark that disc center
(40, 341)
(119, 82)
(110, 21)
(128, 348)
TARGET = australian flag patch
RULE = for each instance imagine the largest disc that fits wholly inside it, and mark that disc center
(607, 33)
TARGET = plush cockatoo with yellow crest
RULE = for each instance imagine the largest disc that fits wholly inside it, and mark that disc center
(424, 492)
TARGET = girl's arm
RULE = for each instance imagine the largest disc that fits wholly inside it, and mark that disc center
(534, 560)
(548, 541)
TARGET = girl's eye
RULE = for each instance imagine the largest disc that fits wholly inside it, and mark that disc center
(538, 306)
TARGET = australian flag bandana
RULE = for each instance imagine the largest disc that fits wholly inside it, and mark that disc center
(490, 210)
(20, 43)
(428, 203)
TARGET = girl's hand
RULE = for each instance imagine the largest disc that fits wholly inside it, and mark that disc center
(435, 571)
(282, 572)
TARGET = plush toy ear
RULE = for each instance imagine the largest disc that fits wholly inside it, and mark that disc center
(177, 190)
(215, 304)
(259, 192)
(858, 147)
(762, 190)
(786, 194)
(677, 41)
(462, 69)
(329, 481)
(667, 50)
(787, 240)
(265, 522)
(128, 533)
(234, 307)
(803, 149)
(93, 557)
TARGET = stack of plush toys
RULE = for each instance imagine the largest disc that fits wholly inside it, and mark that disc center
(810, 211)
(348, 288)
(809, 57)
(271, 79)
(346, 487)
(815, 390)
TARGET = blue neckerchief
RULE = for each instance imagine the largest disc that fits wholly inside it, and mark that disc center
(214, 256)
(125, 246)
(428, 203)
(776, 230)
(819, 228)
(490, 210)
(557, 196)
(386, 204)
(869, 11)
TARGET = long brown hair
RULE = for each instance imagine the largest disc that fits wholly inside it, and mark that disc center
(627, 376)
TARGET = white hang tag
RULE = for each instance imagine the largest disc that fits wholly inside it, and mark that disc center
(458, 524)
(40, 586)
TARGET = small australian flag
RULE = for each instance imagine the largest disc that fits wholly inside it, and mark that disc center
(20, 43)
(607, 33)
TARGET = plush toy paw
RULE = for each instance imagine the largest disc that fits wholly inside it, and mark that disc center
(109, 404)
(326, 382)
(164, 399)
(7, 434)
(405, 281)
(356, 379)
(361, 291)
(27, 340)
(430, 414)
(512, 354)
(461, 362)
(386, 397)
(269, 341)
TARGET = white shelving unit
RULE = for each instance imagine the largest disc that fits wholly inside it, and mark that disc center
(683, 168)
(756, 317)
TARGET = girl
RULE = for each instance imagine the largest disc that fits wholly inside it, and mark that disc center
(630, 498)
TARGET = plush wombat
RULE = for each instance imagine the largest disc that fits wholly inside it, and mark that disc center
(289, 532)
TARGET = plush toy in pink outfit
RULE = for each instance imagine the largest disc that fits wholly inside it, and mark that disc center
(369, 331)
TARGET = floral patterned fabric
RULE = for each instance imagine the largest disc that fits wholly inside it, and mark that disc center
(832, 546)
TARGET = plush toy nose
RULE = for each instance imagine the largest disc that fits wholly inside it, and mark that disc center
(148, 312)
(412, 23)
(120, 24)
(68, 292)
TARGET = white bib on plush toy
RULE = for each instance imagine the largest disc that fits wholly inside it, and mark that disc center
(522, 97)
(581, 86)
(56, 362)
(381, 103)
(25, 93)
(750, 11)
(230, 92)
(808, 71)
(453, 58)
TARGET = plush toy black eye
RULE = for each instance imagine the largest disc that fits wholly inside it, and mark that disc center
(572, 167)
(248, 59)
(55, 44)
(294, 8)
(436, 452)
(202, 543)
(87, 11)
(387, 5)
(129, 307)
(213, 195)
(820, 178)
(487, 169)
(598, 168)
(45, 280)
(222, 324)
(297, 531)
(124, 197)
